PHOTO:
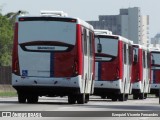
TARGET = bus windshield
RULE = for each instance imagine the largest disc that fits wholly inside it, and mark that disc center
(155, 58)
(109, 48)
(46, 34)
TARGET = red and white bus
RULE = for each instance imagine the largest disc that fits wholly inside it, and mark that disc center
(53, 55)
(155, 71)
(113, 66)
(140, 72)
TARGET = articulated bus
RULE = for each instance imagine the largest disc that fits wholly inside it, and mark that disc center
(155, 71)
(53, 55)
(140, 72)
(113, 59)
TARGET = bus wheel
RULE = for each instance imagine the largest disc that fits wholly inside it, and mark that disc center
(87, 98)
(71, 99)
(81, 98)
(145, 96)
(141, 96)
(126, 97)
(32, 99)
(103, 97)
(21, 97)
(114, 98)
(121, 97)
(135, 97)
(157, 94)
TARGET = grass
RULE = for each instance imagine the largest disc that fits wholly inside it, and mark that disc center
(8, 93)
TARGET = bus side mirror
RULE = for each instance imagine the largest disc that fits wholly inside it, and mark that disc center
(99, 48)
(153, 61)
(135, 59)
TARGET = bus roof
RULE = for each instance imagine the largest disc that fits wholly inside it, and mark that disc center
(141, 46)
(57, 15)
(153, 49)
(112, 35)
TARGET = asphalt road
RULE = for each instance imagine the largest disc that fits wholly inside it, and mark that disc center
(95, 104)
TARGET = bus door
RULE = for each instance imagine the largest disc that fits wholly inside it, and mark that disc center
(85, 43)
(90, 59)
(144, 70)
(126, 77)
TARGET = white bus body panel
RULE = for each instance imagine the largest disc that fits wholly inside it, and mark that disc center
(41, 81)
(155, 86)
(117, 84)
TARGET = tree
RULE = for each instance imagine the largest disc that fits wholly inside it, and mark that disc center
(6, 40)
(12, 15)
(6, 36)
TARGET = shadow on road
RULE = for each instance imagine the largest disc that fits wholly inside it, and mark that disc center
(46, 103)
(7, 102)
(125, 107)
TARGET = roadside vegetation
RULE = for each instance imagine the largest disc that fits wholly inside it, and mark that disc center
(6, 36)
(8, 93)
(7, 22)
(6, 40)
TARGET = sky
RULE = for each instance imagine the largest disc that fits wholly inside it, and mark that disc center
(87, 9)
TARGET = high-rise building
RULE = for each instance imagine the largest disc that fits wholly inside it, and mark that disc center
(156, 40)
(129, 23)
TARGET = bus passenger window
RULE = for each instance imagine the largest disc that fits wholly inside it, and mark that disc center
(125, 61)
(144, 60)
(90, 43)
(85, 42)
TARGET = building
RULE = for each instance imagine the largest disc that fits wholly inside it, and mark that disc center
(144, 34)
(156, 39)
(155, 42)
(129, 23)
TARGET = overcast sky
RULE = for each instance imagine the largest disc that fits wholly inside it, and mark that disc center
(87, 9)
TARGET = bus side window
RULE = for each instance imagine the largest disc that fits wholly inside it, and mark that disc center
(148, 60)
(85, 41)
(144, 60)
(130, 55)
(135, 55)
(90, 43)
(124, 50)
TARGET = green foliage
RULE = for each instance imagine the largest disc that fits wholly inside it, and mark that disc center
(6, 40)
(8, 94)
(6, 36)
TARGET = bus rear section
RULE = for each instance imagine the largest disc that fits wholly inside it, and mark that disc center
(112, 68)
(140, 72)
(48, 59)
(155, 71)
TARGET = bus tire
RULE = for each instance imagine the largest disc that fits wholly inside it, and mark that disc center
(103, 97)
(22, 98)
(32, 99)
(122, 97)
(145, 96)
(141, 96)
(135, 97)
(157, 94)
(87, 98)
(81, 98)
(71, 99)
(114, 98)
(126, 97)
